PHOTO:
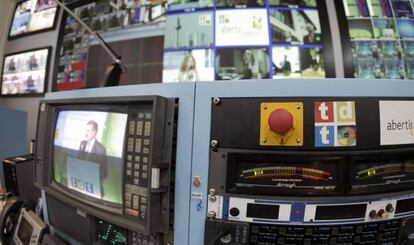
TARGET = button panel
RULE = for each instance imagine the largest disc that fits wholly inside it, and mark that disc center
(369, 233)
(140, 239)
(136, 172)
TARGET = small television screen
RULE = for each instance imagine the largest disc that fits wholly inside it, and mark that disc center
(24, 232)
(25, 73)
(88, 154)
(32, 16)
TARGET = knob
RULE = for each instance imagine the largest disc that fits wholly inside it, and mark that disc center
(280, 121)
(389, 208)
(373, 214)
(234, 212)
(381, 213)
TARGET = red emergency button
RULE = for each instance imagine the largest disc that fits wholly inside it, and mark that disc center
(280, 121)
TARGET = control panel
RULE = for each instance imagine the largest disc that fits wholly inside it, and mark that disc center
(107, 233)
(137, 169)
(308, 171)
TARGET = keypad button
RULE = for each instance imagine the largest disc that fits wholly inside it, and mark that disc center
(145, 150)
(147, 129)
(130, 144)
(140, 127)
(131, 129)
(137, 145)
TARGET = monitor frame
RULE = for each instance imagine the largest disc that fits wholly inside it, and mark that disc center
(25, 34)
(47, 70)
(163, 111)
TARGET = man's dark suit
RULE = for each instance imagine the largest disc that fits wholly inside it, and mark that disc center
(97, 155)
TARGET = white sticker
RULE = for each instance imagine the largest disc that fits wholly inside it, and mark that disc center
(397, 119)
(196, 195)
(246, 27)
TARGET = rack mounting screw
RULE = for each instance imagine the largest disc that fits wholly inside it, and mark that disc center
(216, 101)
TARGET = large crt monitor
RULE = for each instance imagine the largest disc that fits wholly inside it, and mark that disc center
(111, 160)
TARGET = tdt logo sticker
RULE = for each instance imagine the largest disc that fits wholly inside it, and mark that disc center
(335, 124)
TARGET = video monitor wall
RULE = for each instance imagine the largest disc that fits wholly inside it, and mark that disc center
(33, 16)
(240, 39)
(25, 73)
(106, 16)
(380, 34)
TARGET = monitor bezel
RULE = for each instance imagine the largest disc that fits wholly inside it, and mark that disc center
(25, 34)
(100, 203)
(47, 69)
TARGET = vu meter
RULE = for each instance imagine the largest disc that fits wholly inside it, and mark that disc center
(281, 124)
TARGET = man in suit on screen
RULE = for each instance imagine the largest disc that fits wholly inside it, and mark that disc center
(92, 150)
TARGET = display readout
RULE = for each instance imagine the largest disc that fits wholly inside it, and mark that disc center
(274, 175)
(373, 175)
(262, 211)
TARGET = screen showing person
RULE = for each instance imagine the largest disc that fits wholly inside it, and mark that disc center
(242, 27)
(188, 66)
(33, 15)
(297, 62)
(189, 30)
(295, 26)
(88, 153)
(242, 63)
(24, 73)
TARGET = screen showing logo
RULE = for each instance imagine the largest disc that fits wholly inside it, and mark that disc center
(335, 124)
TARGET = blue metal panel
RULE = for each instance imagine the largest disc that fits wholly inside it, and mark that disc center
(266, 88)
(13, 132)
(185, 92)
(13, 135)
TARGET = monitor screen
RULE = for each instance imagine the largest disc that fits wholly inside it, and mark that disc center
(378, 39)
(88, 154)
(25, 73)
(24, 232)
(32, 16)
(256, 39)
